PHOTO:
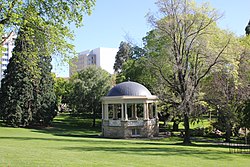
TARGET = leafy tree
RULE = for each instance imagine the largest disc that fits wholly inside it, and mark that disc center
(57, 14)
(51, 19)
(62, 89)
(124, 53)
(195, 46)
(245, 116)
(135, 68)
(138, 71)
(244, 80)
(88, 86)
(227, 88)
(224, 98)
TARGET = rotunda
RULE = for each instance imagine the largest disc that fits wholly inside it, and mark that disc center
(129, 110)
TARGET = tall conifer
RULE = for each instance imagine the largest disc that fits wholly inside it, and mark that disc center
(17, 86)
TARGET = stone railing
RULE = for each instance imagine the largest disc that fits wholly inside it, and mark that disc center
(135, 123)
(114, 122)
(131, 122)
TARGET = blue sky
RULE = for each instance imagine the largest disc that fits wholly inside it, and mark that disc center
(113, 21)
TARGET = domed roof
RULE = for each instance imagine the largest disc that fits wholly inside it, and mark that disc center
(129, 89)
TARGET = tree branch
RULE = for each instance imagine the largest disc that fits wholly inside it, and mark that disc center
(211, 65)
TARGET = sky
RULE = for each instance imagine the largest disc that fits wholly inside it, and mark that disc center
(113, 21)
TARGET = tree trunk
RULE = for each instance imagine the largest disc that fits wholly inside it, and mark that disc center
(175, 126)
(186, 140)
(94, 117)
(228, 133)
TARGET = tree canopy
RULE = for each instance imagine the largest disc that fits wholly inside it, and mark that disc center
(49, 18)
(87, 88)
(194, 46)
(27, 90)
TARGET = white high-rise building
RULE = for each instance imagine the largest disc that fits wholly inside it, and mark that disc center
(8, 45)
(101, 57)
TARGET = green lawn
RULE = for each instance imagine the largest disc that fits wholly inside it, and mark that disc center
(70, 142)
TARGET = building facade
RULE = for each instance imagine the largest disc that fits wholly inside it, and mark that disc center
(101, 57)
(8, 45)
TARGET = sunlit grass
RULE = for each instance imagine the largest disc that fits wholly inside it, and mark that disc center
(72, 142)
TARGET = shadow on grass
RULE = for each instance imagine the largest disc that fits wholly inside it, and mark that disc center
(129, 147)
(166, 151)
(80, 130)
(68, 126)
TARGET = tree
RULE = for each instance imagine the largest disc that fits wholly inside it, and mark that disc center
(33, 93)
(50, 18)
(17, 86)
(62, 89)
(45, 98)
(227, 88)
(224, 97)
(195, 46)
(124, 53)
(247, 29)
(88, 86)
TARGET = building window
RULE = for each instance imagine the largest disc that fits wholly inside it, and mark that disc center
(3, 59)
(136, 132)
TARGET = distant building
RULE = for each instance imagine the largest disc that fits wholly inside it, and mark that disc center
(101, 57)
(8, 45)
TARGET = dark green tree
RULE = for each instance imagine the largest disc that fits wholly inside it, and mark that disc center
(45, 98)
(17, 86)
(88, 86)
(124, 53)
(247, 29)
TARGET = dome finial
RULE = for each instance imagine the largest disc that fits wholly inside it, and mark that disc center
(128, 79)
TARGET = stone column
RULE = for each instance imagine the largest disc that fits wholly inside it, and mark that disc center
(145, 111)
(151, 111)
(102, 112)
(122, 110)
(106, 111)
(132, 111)
(126, 112)
(136, 117)
(156, 113)
(113, 108)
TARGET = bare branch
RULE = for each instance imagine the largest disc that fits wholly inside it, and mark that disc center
(211, 65)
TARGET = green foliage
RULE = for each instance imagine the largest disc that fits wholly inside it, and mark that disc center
(185, 46)
(124, 53)
(137, 70)
(52, 19)
(44, 93)
(27, 90)
(247, 29)
(244, 115)
(62, 88)
(17, 87)
(88, 86)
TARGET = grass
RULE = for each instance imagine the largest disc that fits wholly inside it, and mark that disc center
(71, 142)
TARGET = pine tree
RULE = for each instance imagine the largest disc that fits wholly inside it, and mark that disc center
(16, 87)
(45, 94)
(125, 52)
(28, 96)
